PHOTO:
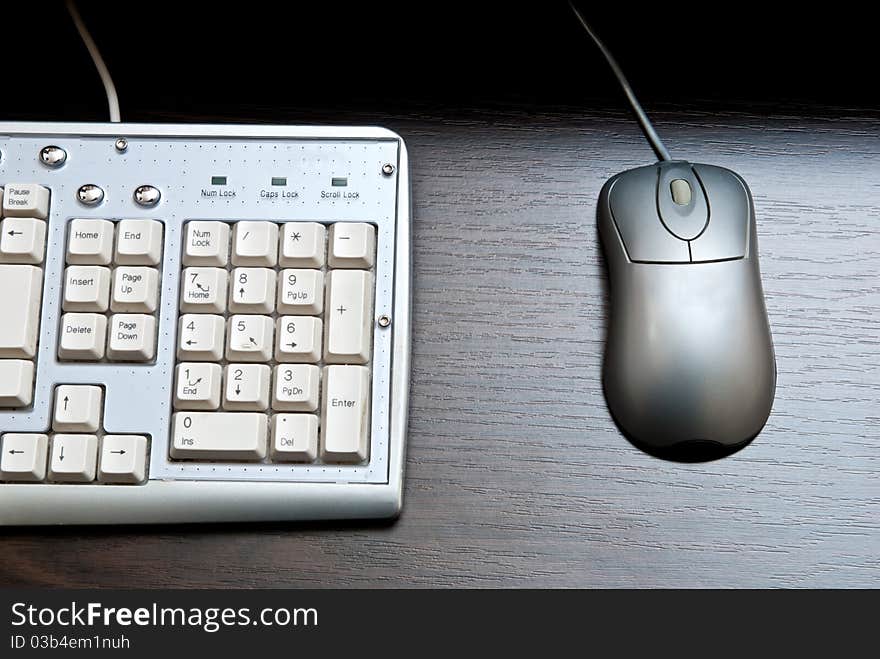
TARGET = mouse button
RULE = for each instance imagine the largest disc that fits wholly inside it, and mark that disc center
(680, 200)
(633, 207)
(726, 237)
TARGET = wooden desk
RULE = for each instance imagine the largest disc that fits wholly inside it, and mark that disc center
(516, 475)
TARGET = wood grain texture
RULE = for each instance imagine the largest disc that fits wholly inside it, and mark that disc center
(516, 474)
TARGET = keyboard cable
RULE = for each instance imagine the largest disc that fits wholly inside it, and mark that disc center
(109, 87)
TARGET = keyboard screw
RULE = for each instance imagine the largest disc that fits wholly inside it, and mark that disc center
(121, 145)
(53, 156)
(388, 169)
(384, 320)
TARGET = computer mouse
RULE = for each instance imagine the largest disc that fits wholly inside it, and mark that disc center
(689, 370)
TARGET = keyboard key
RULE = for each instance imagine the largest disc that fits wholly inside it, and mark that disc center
(255, 244)
(349, 317)
(16, 382)
(83, 336)
(20, 293)
(135, 290)
(345, 414)
(138, 242)
(229, 436)
(206, 243)
(301, 292)
(200, 337)
(253, 290)
(123, 459)
(249, 338)
(352, 245)
(198, 386)
(74, 458)
(299, 339)
(22, 240)
(90, 242)
(23, 457)
(294, 437)
(77, 408)
(132, 338)
(25, 200)
(204, 290)
(86, 288)
(296, 387)
(302, 245)
(247, 387)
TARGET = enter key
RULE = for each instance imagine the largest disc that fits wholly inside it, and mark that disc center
(345, 414)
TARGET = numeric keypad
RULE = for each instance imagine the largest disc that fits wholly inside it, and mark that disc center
(263, 310)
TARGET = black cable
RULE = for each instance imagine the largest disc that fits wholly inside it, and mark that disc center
(647, 127)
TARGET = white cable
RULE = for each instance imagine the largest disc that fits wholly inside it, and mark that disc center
(641, 117)
(109, 87)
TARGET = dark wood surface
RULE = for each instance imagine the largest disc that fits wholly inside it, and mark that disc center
(516, 474)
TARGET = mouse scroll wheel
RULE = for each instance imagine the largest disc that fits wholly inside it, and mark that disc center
(681, 191)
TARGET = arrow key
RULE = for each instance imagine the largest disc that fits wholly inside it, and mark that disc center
(200, 337)
(22, 240)
(77, 408)
(23, 457)
(123, 459)
(247, 387)
(74, 458)
(299, 339)
(252, 290)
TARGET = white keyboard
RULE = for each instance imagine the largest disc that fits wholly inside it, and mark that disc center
(202, 323)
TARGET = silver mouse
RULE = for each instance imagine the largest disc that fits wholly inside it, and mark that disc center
(689, 371)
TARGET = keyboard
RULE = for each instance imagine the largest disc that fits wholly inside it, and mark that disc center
(202, 323)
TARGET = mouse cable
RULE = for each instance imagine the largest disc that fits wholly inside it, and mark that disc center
(641, 117)
(109, 87)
